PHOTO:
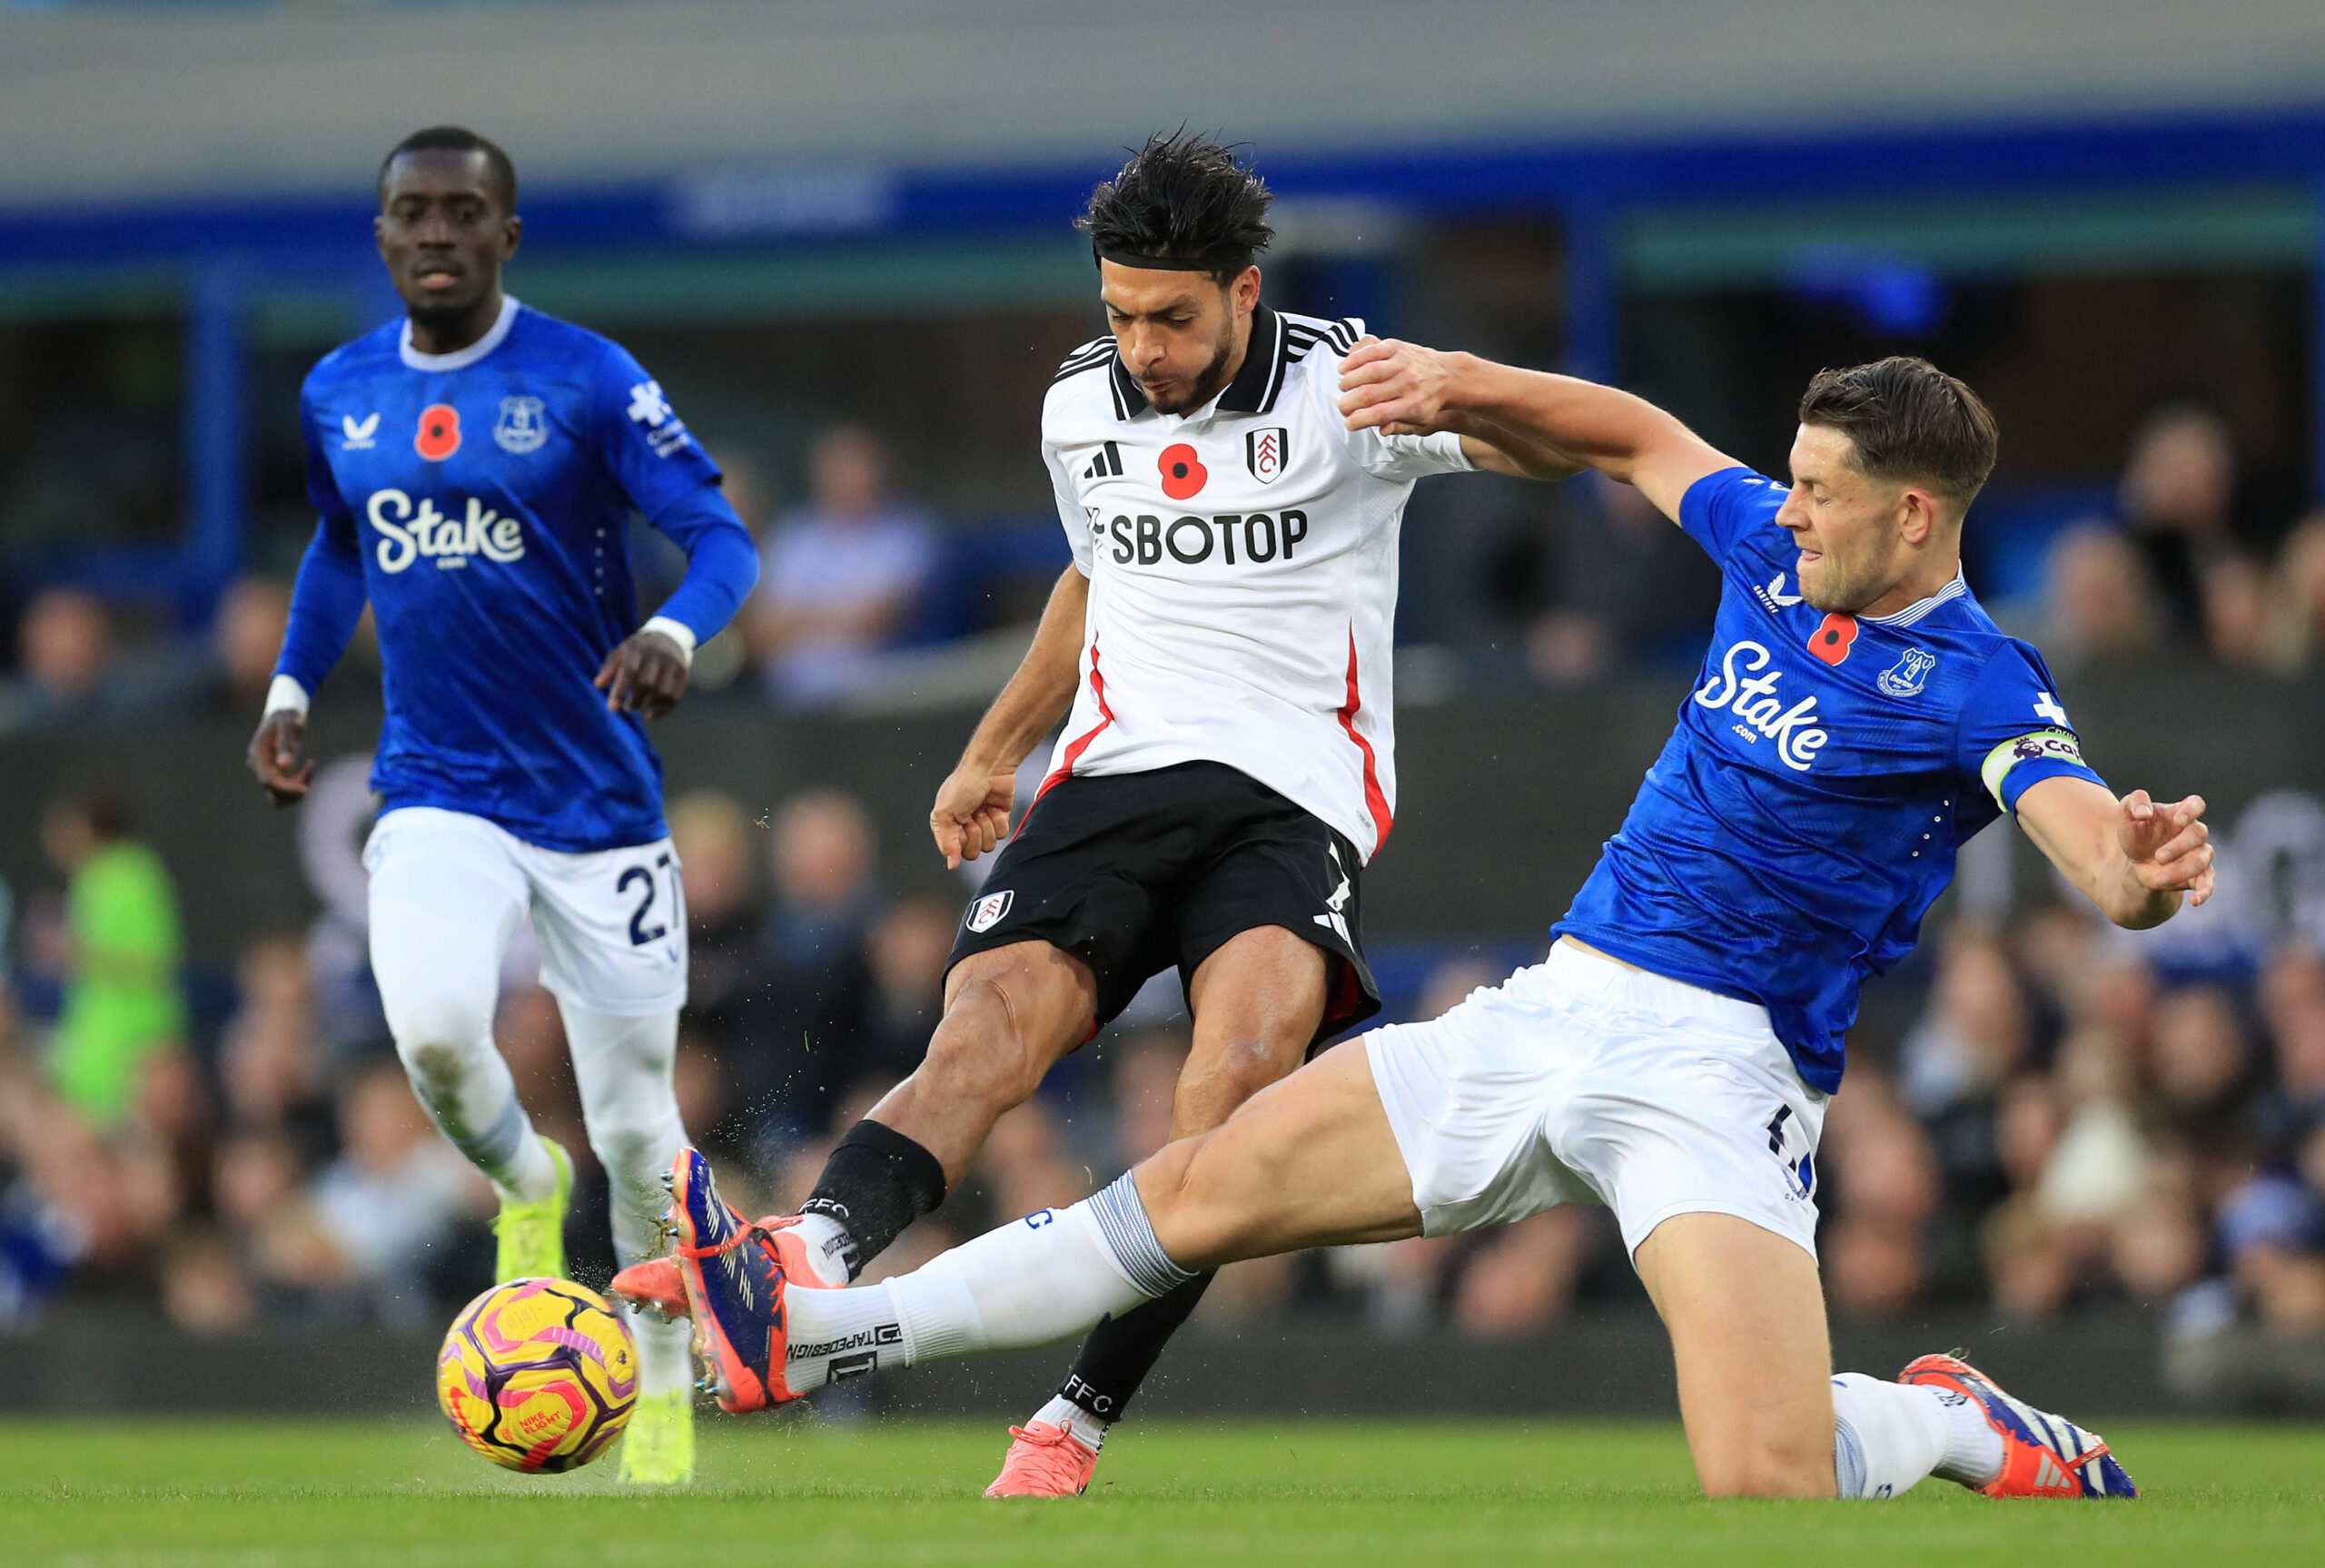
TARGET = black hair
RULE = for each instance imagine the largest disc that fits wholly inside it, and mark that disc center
(1182, 197)
(458, 139)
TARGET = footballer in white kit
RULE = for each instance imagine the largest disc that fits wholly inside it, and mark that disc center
(1219, 653)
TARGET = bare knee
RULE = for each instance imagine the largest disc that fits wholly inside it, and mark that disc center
(1764, 1468)
(986, 1051)
(1189, 1190)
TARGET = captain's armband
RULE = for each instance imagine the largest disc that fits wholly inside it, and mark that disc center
(2038, 745)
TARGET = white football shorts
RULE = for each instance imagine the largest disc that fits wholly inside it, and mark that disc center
(449, 890)
(1584, 1081)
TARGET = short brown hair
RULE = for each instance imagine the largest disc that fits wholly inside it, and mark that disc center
(1911, 423)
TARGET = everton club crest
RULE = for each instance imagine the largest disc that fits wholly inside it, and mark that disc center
(1905, 677)
(521, 427)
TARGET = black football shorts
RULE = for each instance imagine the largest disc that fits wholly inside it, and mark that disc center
(1134, 873)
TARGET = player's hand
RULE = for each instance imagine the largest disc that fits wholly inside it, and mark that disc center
(1398, 388)
(970, 816)
(647, 674)
(2168, 847)
(273, 757)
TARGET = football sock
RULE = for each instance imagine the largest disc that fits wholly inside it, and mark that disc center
(1031, 1282)
(664, 1351)
(477, 1107)
(622, 1067)
(877, 1182)
(1973, 1449)
(1886, 1436)
(1087, 1429)
(1121, 1351)
(827, 1247)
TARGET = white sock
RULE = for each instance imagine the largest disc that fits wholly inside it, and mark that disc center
(1973, 1451)
(665, 1357)
(528, 1172)
(827, 1244)
(1031, 1282)
(1886, 1436)
(1088, 1430)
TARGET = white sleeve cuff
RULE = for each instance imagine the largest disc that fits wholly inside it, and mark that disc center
(677, 632)
(285, 695)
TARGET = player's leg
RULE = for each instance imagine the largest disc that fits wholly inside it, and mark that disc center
(1686, 1114)
(1312, 1161)
(445, 897)
(612, 930)
(1010, 1012)
(1258, 1002)
(1057, 943)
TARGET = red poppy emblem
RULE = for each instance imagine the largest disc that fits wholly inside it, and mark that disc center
(439, 432)
(1182, 472)
(1831, 641)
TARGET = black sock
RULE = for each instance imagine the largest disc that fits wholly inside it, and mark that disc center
(877, 1182)
(1121, 1351)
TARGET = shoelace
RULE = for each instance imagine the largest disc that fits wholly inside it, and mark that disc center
(762, 1229)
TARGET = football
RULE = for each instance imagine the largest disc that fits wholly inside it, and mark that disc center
(538, 1374)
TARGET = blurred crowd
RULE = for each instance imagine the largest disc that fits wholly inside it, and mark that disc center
(855, 580)
(2059, 1117)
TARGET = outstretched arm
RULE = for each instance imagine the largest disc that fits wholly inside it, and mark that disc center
(971, 811)
(2134, 858)
(1543, 425)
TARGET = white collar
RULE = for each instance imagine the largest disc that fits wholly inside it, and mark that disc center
(461, 359)
(1920, 607)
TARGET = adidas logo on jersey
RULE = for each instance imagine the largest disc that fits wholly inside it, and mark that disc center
(408, 533)
(1753, 701)
(1106, 465)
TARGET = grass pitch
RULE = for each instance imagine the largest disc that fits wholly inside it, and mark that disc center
(218, 1493)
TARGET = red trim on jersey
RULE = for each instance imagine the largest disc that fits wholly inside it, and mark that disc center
(1065, 770)
(1374, 801)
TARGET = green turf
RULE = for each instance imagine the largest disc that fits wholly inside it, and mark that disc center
(211, 1494)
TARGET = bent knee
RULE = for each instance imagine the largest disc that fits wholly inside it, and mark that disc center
(1771, 1472)
(1190, 1190)
(438, 1058)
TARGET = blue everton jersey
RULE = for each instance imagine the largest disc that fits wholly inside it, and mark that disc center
(1805, 813)
(487, 495)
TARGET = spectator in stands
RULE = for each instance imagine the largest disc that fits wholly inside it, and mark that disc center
(2097, 605)
(839, 577)
(123, 1001)
(908, 951)
(2297, 608)
(826, 901)
(2175, 495)
(65, 658)
(245, 636)
(393, 1194)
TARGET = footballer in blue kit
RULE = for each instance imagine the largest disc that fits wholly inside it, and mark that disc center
(1857, 717)
(475, 465)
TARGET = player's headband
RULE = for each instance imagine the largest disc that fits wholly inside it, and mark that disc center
(1229, 260)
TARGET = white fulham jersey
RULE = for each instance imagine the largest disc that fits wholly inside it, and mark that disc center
(1242, 566)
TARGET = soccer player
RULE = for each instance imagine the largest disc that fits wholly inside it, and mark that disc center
(1223, 641)
(475, 465)
(1857, 718)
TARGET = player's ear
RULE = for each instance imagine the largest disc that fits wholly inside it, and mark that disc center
(512, 233)
(1922, 516)
(1245, 291)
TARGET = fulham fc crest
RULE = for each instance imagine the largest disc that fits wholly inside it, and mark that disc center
(1265, 452)
(986, 912)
